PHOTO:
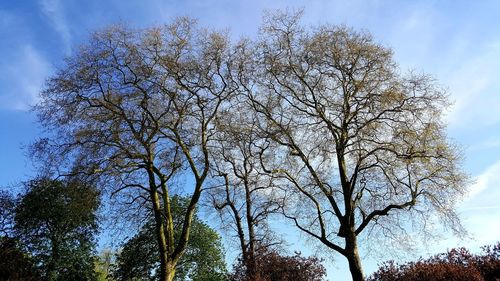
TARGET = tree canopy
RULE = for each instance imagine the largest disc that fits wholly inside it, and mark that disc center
(7, 208)
(56, 222)
(457, 264)
(362, 146)
(134, 110)
(203, 259)
(316, 123)
(15, 263)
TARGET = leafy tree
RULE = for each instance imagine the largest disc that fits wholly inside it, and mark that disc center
(271, 266)
(104, 265)
(134, 109)
(7, 207)
(363, 145)
(16, 264)
(56, 221)
(203, 259)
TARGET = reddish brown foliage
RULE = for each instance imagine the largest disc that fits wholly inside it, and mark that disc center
(455, 265)
(489, 263)
(271, 266)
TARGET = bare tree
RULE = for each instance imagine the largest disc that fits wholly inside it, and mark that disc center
(134, 109)
(245, 196)
(243, 193)
(322, 112)
(363, 146)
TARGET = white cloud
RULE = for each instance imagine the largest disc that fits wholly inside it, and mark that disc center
(481, 209)
(21, 78)
(479, 213)
(418, 20)
(487, 180)
(481, 228)
(490, 143)
(53, 10)
(476, 89)
(481, 223)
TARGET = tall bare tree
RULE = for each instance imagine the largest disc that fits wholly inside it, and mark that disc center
(134, 109)
(243, 193)
(363, 146)
(246, 196)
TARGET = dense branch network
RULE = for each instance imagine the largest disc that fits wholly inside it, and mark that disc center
(316, 124)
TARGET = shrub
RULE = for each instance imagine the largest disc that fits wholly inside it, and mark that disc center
(455, 265)
(271, 266)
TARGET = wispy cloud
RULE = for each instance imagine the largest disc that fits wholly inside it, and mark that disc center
(490, 178)
(490, 143)
(478, 212)
(475, 87)
(482, 226)
(479, 208)
(22, 77)
(53, 10)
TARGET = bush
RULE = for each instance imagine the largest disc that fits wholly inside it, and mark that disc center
(271, 266)
(489, 263)
(455, 265)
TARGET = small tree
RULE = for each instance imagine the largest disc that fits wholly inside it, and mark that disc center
(56, 221)
(104, 265)
(489, 262)
(203, 259)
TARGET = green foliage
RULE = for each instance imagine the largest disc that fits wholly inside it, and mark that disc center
(203, 260)
(7, 206)
(104, 264)
(137, 260)
(15, 264)
(56, 222)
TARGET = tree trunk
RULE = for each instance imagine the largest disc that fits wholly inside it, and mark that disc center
(167, 268)
(352, 256)
(251, 266)
(169, 273)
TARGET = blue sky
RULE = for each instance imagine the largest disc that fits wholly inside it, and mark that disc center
(458, 42)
